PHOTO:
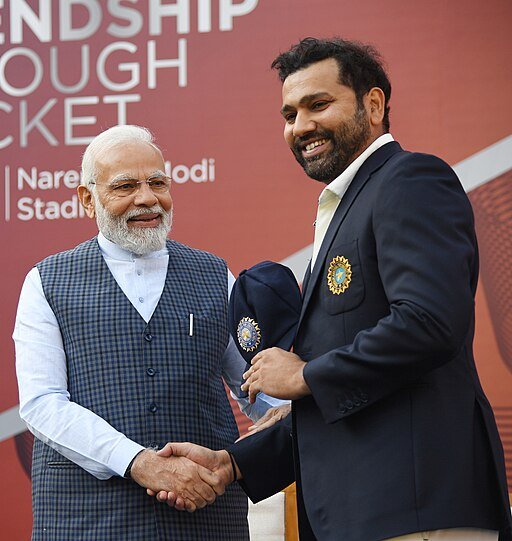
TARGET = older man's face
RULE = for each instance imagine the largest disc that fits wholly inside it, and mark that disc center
(138, 220)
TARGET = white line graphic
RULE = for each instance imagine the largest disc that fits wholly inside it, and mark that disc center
(11, 424)
(7, 193)
(489, 163)
(298, 262)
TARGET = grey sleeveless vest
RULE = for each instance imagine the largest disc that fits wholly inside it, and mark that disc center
(152, 382)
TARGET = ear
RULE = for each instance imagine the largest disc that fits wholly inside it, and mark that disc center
(87, 200)
(375, 101)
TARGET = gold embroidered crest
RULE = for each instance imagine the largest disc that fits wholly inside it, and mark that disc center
(339, 275)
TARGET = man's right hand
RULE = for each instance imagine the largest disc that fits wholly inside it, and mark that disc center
(195, 485)
(216, 462)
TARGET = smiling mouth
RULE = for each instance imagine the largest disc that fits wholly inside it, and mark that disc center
(314, 147)
(314, 144)
(146, 220)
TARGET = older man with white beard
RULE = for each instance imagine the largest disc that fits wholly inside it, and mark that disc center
(121, 346)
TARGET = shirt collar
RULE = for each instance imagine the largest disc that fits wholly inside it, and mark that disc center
(340, 184)
(112, 250)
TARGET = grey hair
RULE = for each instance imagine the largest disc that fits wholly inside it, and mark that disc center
(104, 142)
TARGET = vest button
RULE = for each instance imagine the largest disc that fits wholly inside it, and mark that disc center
(148, 337)
(150, 371)
(153, 407)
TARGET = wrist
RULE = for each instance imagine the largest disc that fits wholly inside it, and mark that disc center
(229, 467)
(141, 465)
(233, 467)
(302, 385)
(128, 471)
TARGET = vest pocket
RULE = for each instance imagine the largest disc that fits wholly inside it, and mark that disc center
(342, 285)
(61, 464)
(203, 341)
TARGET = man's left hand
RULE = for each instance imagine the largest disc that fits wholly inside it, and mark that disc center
(271, 417)
(277, 373)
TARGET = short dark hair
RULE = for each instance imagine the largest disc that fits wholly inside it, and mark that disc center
(360, 66)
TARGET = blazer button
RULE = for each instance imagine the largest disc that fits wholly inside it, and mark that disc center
(150, 371)
(153, 408)
(148, 337)
(349, 404)
(357, 402)
(363, 397)
(343, 410)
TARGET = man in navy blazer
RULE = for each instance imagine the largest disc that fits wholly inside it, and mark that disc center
(392, 434)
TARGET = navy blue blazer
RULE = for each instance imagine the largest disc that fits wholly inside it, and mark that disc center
(397, 435)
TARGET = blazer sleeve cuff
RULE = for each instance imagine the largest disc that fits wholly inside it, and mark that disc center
(333, 404)
(265, 460)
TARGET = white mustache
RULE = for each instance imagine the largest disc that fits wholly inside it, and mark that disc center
(155, 209)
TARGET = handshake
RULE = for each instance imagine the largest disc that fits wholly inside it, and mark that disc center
(186, 476)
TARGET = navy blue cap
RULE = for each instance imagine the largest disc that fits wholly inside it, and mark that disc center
(264, 308)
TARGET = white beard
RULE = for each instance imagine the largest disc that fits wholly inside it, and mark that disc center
(138, 240)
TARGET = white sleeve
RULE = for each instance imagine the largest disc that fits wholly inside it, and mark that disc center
(74, 431)
(234, 366)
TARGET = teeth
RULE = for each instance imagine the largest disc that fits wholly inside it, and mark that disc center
(315, 144)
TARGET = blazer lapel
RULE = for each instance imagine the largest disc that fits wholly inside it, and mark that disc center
(307, 277)
(375, 160)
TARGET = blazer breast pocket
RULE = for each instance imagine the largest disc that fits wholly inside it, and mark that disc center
(342, 287)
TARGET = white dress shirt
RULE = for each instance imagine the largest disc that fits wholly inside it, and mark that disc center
(74, 431)
(333, 193)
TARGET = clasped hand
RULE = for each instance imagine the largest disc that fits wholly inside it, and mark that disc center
(184, 475)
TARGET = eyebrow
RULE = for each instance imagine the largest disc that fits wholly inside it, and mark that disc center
(126, 176)
(119, 178)
(305, 99)
(157, 173)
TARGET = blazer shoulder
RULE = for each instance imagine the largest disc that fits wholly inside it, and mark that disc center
(415, 179)
(405, 159)
(406, 166)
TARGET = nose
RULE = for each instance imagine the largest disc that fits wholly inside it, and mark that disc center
(144, 196)
(303, 125)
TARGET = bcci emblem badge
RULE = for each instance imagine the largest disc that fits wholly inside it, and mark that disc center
(248, 333)
(339, 274)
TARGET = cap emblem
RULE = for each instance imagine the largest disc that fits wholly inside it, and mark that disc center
(249, 334)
